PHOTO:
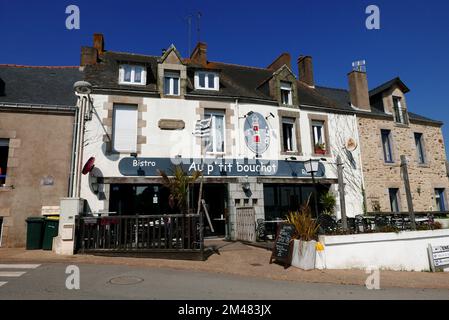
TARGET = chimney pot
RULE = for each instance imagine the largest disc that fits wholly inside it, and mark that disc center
(305, 70)
(99, 42)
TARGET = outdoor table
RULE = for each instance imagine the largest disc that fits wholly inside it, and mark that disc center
(274, 225)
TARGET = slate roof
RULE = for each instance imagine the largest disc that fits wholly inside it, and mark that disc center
(105, 74)
(389, 84)
(236, 81)
(38, 85)
(342, 98)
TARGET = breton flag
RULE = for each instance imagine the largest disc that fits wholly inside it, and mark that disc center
(202, 128)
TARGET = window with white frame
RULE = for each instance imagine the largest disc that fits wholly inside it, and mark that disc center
(288, 134)
(215, 142)
(207, 80)
(318, 137)
(400, 114)
(132, 74)
(171, 83)
(286, 93)
(125, 128)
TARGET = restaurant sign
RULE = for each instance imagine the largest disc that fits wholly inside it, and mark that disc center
(149, 167)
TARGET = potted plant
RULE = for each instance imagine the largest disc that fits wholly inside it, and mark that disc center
(328, 201)
(320, 148)
(304, 238)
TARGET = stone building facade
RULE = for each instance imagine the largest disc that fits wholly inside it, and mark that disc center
(37, 119)
(380, 176)
(387, 131)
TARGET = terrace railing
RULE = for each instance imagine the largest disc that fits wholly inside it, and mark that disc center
(134, 233)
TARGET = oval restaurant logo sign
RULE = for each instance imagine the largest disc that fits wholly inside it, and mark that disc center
(257, 133)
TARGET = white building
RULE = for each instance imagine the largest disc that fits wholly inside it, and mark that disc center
(265, 123)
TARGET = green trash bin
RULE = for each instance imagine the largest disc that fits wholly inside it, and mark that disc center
(51, 231)
(35, 232)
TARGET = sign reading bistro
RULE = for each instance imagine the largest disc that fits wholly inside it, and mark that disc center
(216, 167)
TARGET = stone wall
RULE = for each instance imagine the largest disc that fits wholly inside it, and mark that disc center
(380, 176)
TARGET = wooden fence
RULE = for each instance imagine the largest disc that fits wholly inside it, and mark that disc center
(246, 224)
(150, 233)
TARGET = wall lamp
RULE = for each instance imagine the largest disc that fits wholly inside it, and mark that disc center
(247, 115)
(270, 115)
(291, 159)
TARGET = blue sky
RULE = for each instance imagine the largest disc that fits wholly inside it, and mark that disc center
(413, 41)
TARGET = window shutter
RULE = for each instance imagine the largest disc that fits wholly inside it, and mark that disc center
(125, 128)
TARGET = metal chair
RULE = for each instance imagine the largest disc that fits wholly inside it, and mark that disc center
(260, 230)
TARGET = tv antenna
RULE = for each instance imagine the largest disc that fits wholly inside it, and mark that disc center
(359, 66)
(189, 22)
(198, 18)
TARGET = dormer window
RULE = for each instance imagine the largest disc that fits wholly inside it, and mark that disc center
(171, 83)
(286, 93)
(206, 80)
(400, 115)
(131, 74)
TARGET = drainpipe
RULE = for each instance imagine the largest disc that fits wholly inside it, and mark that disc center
(73, 154)
(80, 146)
(238, 126)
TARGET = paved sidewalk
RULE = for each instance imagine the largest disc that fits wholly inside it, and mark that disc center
(240, 259)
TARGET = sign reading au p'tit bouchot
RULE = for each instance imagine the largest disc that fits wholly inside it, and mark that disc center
(149, 167)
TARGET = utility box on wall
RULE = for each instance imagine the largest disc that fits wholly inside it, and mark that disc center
(64, 243)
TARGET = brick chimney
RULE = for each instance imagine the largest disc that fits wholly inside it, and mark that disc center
(199, 54)
(284, 58)
(89, 55)
(99, 42)
(305, 70)
(358, 90)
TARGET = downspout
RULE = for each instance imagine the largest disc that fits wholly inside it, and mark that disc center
(73, 154)
(80, 147)
(238, 127)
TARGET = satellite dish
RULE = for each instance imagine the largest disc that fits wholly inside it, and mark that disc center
(82, 87)
(89, 165)
(351, 144)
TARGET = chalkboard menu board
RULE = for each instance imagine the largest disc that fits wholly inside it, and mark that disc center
(282, 248)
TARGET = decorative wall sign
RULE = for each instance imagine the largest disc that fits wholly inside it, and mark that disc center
(149, 167)
(351, 144)
(257, 133)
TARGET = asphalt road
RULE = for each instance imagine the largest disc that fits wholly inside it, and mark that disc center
(48, 281)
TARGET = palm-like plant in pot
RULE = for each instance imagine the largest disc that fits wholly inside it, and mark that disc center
(179, 183)
(306, 231)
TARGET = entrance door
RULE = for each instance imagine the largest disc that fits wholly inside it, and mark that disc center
(215, 196)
